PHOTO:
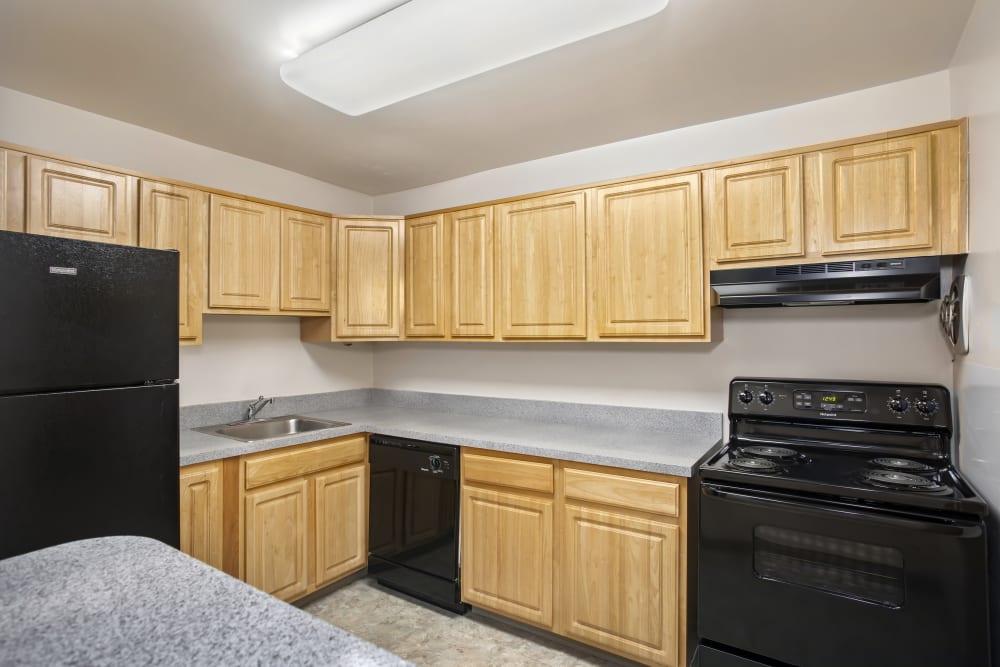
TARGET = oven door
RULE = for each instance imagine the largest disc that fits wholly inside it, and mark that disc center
(817, 583)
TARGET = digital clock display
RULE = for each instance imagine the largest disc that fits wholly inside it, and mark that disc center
(830, 398)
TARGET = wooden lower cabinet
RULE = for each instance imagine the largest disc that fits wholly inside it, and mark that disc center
(277, 539)
(201, 512)
(341, 519)
(592, 553)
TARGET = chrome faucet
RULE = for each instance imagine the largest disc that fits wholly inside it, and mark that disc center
(257, 406)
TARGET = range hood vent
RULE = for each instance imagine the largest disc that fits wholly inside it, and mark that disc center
(903, 280)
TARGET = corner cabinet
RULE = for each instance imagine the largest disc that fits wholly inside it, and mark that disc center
(542, 261)
(172, 217)
(648, 268)
(201, 512)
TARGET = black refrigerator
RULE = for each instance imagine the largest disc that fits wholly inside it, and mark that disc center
(88, 392)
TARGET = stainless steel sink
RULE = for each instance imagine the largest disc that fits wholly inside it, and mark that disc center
(262, 429)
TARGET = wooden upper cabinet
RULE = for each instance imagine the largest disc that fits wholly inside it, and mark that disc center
(77, 202)
(542, 259)
(877, 196)
(754, 210)
(201, 512)
(172, 217)
(368, 279)
(425, 306)
(470, 254)
(305, 261)
(647, 254)
(243, 254)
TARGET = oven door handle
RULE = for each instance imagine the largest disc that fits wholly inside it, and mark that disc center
(941, 526)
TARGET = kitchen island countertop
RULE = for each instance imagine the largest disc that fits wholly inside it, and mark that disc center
(135, 601)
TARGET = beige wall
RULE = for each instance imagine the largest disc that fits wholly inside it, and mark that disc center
(898, 342)
(243, 357)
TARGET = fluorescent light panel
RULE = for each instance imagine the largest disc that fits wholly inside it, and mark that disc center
(426, 44)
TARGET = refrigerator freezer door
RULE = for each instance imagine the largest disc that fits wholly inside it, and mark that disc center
(77, 314)
(88, 464)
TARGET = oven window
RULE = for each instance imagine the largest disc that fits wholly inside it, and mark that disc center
(854, 569)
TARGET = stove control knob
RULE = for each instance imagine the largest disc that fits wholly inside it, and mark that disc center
(899, 405)
(765, 397)
(745, 396)
(926, 406)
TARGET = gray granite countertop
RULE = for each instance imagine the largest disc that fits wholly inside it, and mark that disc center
(136, 601)
(664, 441)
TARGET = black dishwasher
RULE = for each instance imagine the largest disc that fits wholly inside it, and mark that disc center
(413, 524)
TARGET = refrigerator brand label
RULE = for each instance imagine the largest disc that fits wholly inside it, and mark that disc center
(63, 270)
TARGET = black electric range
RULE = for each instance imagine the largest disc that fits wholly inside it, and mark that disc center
(833, 519)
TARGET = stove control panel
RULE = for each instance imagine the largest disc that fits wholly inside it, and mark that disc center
(872, 402)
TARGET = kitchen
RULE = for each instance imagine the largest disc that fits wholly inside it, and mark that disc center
(244, 356)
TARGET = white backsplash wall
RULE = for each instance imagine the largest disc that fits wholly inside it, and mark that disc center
(244, 356)
(899, 342)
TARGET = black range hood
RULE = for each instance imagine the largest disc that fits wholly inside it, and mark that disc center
(902, 280)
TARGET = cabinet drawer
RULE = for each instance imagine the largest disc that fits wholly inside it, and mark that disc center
(647, 495)
(498, 471)
(269, 467)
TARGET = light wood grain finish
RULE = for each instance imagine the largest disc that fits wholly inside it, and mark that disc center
(286, 463)
(629, 492)
(75, 202)
(507, 554)
(12, 190)
(305, 262)
(507, 471)
(542, 262)
(176, 218)
(470, 246)
(950, 165)
(425, 306)
(368, 278)
(201, 512)
(277, 539)
(754, 210)
(243, 254)
(341, 531)
(620, 584)
(877, 196)
(647, 258)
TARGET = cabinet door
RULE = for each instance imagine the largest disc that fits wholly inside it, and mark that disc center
(174, 218)
(78, 202)
(620, 584)
(201, 512)
(340, 500)
(755, 210)
(648, 258)
(277, 537)
(470, 250)
(877, 196)
(424, 307)
(507, 554)
(305, 261)
(243, 254)
(368, 278)
(542, 273)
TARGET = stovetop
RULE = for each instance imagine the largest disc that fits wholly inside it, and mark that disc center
(876, 443)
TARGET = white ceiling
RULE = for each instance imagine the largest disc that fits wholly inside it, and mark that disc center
(207, 71)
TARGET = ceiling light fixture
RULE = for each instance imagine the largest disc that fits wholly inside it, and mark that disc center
(426, 44)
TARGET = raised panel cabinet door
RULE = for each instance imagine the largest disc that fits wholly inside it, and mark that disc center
(877, 196)
(542, 257)
(648, 258)
(277, 539)
(340, 500)
(755, 210)
(368, 258)
(470, 250)
(305, 261)
(76, 202)
(507, 553)
(424, 284)
(243, 254)
(635, 611)
(172, 217)
(201, 512)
